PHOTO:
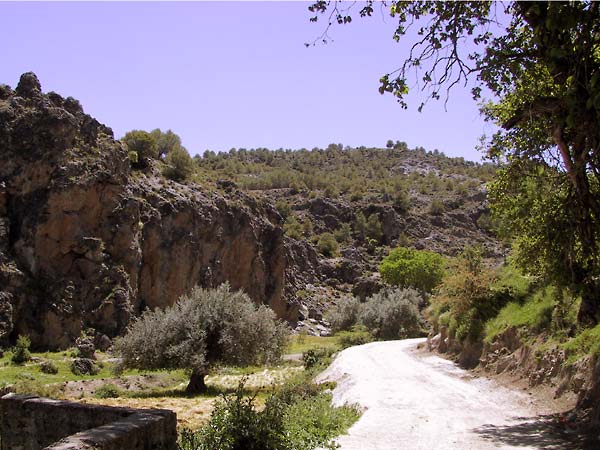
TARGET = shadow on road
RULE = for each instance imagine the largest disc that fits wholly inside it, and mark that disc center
(544, 432)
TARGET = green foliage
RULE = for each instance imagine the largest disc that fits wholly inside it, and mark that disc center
(534, 315)
(327, 245)
(21, 352)
(179, 164)
(465, 300)
(107, 390)
(49, 367)
(418, 269)
(343, 234)
(166, 142)
(203, 328)
(534, 208)
(141, 146)
(389, 314)
(360, 225)
(402, 200)
(436, 207)
(283, 208)
(357, 335)
(317, 357)
(293, 228)
(392, 314)
(296, 417)
(344, 314)
(587, 342)
(374, 229)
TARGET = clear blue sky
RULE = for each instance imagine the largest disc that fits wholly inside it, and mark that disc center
(234, 74)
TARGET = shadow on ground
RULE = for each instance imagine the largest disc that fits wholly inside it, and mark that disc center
(543, 432)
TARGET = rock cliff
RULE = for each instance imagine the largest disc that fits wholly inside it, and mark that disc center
(85, 242)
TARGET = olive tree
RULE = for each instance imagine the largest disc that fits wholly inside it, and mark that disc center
(207, 326)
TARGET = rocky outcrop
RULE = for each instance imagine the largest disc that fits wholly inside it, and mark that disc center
(87, 243)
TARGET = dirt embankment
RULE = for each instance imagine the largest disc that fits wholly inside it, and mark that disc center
(531, 365)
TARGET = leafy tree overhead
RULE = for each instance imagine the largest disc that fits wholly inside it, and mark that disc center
(204, 328)
(540, 61)
(409, 268)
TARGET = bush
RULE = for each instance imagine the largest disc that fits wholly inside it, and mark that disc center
(408, 268)
(436, 207)
(358, 335)
(108, 390)
(343, 233)
(141, 146)
(21, 352)
(327, 244)
(49, 367)
(292, 228)
(393, 314)
(317, 357)
(344, 315)
(179, 164)
(374, 229)
(298, 416)
(203, 328)
(466, 299)
(283, 208)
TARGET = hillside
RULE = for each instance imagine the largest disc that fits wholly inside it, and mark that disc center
(90, 236)
(369, 199)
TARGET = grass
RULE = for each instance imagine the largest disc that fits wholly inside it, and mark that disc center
(535, 314)
(585, 343)
(301, 343)
(11, 373)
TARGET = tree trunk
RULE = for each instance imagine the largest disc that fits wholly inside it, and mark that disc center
(589, 313)
(196, 384)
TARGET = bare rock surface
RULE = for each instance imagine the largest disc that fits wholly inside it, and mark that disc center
(88, 243)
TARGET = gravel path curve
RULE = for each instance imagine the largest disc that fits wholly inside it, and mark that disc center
(415, 400)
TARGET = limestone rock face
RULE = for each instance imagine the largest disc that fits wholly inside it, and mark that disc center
(87, 243)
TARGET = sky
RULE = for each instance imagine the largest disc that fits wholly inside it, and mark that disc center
(230, 74)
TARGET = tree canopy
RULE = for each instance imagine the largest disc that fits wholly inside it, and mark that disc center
(206, 327)
(540, 64)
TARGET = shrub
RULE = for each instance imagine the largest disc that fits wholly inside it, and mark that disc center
(292, 228)
(360, 225)
(358, 335)
(179, 164)
(317, 357)
(344, 315)
(408, 268)
(283, 208)
(466, 298)
(298, 416)
(373, 229)
(402, 201)
(108, 390)
(343, 233)
(392, 314)
(49, 367)
(203, 328)
(141, 146)
(21, 352)
(327, 244)
(436, 207)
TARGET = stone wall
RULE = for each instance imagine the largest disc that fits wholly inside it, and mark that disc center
(34, 423)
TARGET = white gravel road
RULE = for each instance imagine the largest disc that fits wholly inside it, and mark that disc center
(414, 400)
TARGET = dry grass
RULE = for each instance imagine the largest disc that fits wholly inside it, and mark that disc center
(191, 412)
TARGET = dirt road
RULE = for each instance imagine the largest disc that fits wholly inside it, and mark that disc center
(415, 400)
